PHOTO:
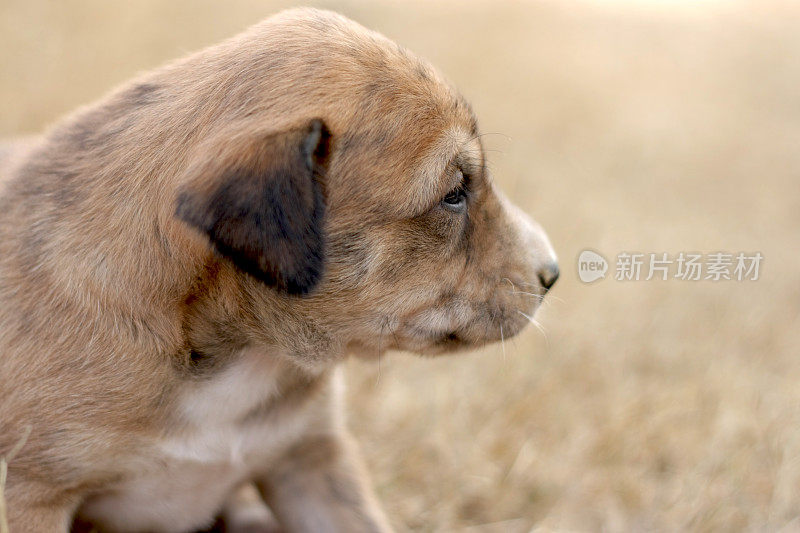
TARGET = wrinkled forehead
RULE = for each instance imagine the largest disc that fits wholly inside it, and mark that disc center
(402, 170)
(457, 148)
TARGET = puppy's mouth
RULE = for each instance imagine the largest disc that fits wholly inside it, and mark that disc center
(439, 330)
(435, 342)
(450, 337)
(451, 341)
(425, 341)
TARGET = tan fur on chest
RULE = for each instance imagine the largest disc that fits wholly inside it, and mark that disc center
(224, 428)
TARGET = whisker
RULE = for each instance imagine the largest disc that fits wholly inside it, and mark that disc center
(394, 336)
(539, 296)
(380, 346)
(516, 291)
(550, 296)
(503, 343)
(508, 137)
(495, 150)
(550, 299)
(538, 326)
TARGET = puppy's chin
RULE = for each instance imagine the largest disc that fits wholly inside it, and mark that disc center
(423, 349)
(434, 343)
(428, 345)
(445, 327)
(474, 333)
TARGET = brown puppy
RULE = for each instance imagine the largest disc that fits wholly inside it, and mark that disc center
(183, 264)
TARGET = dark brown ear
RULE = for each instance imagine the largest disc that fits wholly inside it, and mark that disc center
(260, 199)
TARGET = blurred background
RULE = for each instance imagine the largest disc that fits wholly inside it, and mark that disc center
(651, 126)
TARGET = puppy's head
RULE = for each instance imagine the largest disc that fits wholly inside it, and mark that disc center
(379, 220)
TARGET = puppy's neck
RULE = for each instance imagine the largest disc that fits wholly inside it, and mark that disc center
(225, 312)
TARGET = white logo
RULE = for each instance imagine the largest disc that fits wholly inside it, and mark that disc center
(591, 266)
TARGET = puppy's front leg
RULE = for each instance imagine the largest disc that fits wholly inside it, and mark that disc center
(321, 486)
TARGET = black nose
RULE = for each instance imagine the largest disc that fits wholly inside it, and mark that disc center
(548, 275)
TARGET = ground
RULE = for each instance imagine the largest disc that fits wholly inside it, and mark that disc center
(621, 126)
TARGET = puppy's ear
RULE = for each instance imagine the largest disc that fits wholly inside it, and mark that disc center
(260, 199)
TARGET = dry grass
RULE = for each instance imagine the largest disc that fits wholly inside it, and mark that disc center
(650, 405)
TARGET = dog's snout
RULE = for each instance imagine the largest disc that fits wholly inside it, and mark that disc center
(548, 275)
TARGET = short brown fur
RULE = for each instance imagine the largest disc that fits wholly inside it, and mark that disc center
(122, 308)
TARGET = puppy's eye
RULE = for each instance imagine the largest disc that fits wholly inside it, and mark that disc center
(456, 200)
